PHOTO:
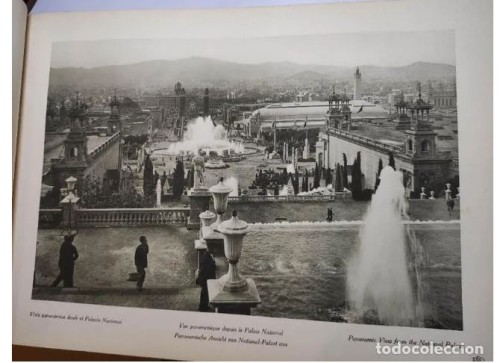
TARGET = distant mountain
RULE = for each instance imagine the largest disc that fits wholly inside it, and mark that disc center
(416, 71)
(306, 76)
(198, 72)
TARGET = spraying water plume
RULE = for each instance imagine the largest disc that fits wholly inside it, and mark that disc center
(382, 277)
(203, 134)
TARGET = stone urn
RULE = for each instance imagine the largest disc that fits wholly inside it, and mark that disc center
(205, 218)
(234, 230)
(220, 193)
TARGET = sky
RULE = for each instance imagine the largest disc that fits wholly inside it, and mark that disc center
(347, 50)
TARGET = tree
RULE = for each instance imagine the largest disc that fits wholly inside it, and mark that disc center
(178, 187)
(93, 195)
(344, 171)
(377, 177)
(148, 177)
(317, 177)
(296, 182)
(284, 177)
(356, 187)
(163, 179)
(392, 162)
(338, 178)
(328, 177)
(305, 182)
(190, 178)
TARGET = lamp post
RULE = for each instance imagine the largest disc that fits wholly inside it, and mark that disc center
(234, 230)
(220, 193)
(70, 183)
(68, 206)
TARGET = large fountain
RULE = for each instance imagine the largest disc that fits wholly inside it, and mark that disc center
(383, 281)
(203, 134)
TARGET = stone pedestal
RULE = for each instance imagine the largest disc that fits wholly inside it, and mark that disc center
(199, 200)
(233, 302)
(200, 246)
(214, 241)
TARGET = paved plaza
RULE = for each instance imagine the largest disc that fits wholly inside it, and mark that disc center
(106, 260)
(107, 255)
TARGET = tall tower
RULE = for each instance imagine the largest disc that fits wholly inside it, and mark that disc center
(75, 144)
(421, 137)
(75, 150)
(182, 110)
(402, 119)
(339, 114)
(357, 84)
(206, 104)
(114, 118)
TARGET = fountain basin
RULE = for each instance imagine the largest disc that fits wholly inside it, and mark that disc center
(215, 164)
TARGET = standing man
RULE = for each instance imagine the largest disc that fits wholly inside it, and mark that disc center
(141, 261)
(207, 272)
(329, 216)
(67, 257)
(450, 203)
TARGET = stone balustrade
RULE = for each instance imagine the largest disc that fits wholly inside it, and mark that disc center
(351, 136)
(117, 217)
(288, 198)
(104, 146)
(127, 217)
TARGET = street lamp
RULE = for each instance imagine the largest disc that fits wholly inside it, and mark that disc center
(70, 183)
(69, 224)
(220, 192)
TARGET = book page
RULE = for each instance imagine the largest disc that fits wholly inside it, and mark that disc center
(279, 183)
(19, 22)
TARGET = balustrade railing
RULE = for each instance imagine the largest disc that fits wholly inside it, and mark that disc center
(366, 140)
(288, 198)
(126, 217)
(117, 217)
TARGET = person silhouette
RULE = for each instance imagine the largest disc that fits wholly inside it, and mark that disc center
(141, 261)
(329, 216)
(207, 272)
(68, 254)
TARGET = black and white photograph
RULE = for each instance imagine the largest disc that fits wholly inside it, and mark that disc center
(310, 177)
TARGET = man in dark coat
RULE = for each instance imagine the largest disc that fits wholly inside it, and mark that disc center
(141, 261)
(450, 203)
(207, 272)
(329, 216)
(67, 257)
